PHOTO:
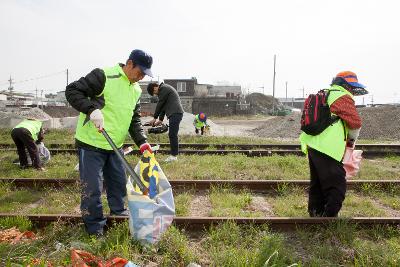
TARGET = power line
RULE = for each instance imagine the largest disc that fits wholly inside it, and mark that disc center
(36, 78)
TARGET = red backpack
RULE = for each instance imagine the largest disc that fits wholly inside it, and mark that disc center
(316, 116)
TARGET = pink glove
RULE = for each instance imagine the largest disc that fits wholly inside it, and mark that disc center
(145, 146)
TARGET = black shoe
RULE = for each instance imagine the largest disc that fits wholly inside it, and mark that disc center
(124, 213)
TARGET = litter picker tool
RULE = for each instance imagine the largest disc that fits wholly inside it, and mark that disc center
(129, 169)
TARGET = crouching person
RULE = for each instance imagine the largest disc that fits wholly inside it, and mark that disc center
(200, 123)
(28, 134)
(326, 149)
(107, 98)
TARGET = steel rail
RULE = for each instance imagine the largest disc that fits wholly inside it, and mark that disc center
(201, 223)
(249, 153)
(201, 185)
(229, 146)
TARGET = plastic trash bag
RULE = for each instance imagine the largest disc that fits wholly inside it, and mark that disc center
(351, 161)
(44, 153)
(151, 215)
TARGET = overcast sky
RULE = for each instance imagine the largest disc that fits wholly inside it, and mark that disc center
(213, 40)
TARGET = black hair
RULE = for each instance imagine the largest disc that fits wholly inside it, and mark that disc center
(150, 87)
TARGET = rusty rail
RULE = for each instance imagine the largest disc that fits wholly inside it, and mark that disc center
(201, 223)
(395, 147)
(201, 185)
(249, 153)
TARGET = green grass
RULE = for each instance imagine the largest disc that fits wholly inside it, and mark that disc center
(291, 203)
(58, 202)
(360, 206)
(234, 166)
(182, 203)
(378, 169)
(60, 166)
(227, 167)
(232, 245)
(15, 201)
(228, 203)
(22, 223)
(337, 244)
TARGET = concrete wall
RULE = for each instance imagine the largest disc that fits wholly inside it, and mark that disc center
(200, 90)
(187, 103)
(214, 106)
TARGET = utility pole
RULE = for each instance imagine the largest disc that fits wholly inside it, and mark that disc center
(273, 87)
(10, 88)
(41, 97)
(303, 92)
(286, 91)
(67, 77)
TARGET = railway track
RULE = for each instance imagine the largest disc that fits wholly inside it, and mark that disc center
(249, 153)
(200, 185)
(194, 146)
(201, 223)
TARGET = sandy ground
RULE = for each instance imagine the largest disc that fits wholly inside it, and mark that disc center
(219, 127)
(240, 127)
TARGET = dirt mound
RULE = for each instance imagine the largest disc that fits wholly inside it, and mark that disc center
(280, 127)
(262, 104)
(24, 113)
(379, 123)
(60, 112)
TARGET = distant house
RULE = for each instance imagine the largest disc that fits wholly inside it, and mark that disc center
(195, 97)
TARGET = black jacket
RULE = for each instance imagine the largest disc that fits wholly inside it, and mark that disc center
(82, 93)
(168, 102)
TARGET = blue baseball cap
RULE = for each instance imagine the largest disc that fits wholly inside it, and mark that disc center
(142, 60)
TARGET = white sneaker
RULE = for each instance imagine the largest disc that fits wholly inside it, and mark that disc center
(170, 158)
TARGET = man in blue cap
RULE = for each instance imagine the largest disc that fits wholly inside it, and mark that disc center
(107, 98)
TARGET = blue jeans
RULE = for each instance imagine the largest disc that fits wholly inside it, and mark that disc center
(94, 166)
(174, 121)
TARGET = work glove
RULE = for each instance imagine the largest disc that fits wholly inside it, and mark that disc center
(40, 145)
(144, 147)
(97, 118)
(352, 137)
(350, 143)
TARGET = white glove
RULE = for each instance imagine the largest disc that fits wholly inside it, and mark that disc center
(97, 118)
(40, 145)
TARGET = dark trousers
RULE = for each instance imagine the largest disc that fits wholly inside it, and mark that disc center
(328, 185)
(93, 167)
(174, 121)
(23, 138)
(201, 129)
